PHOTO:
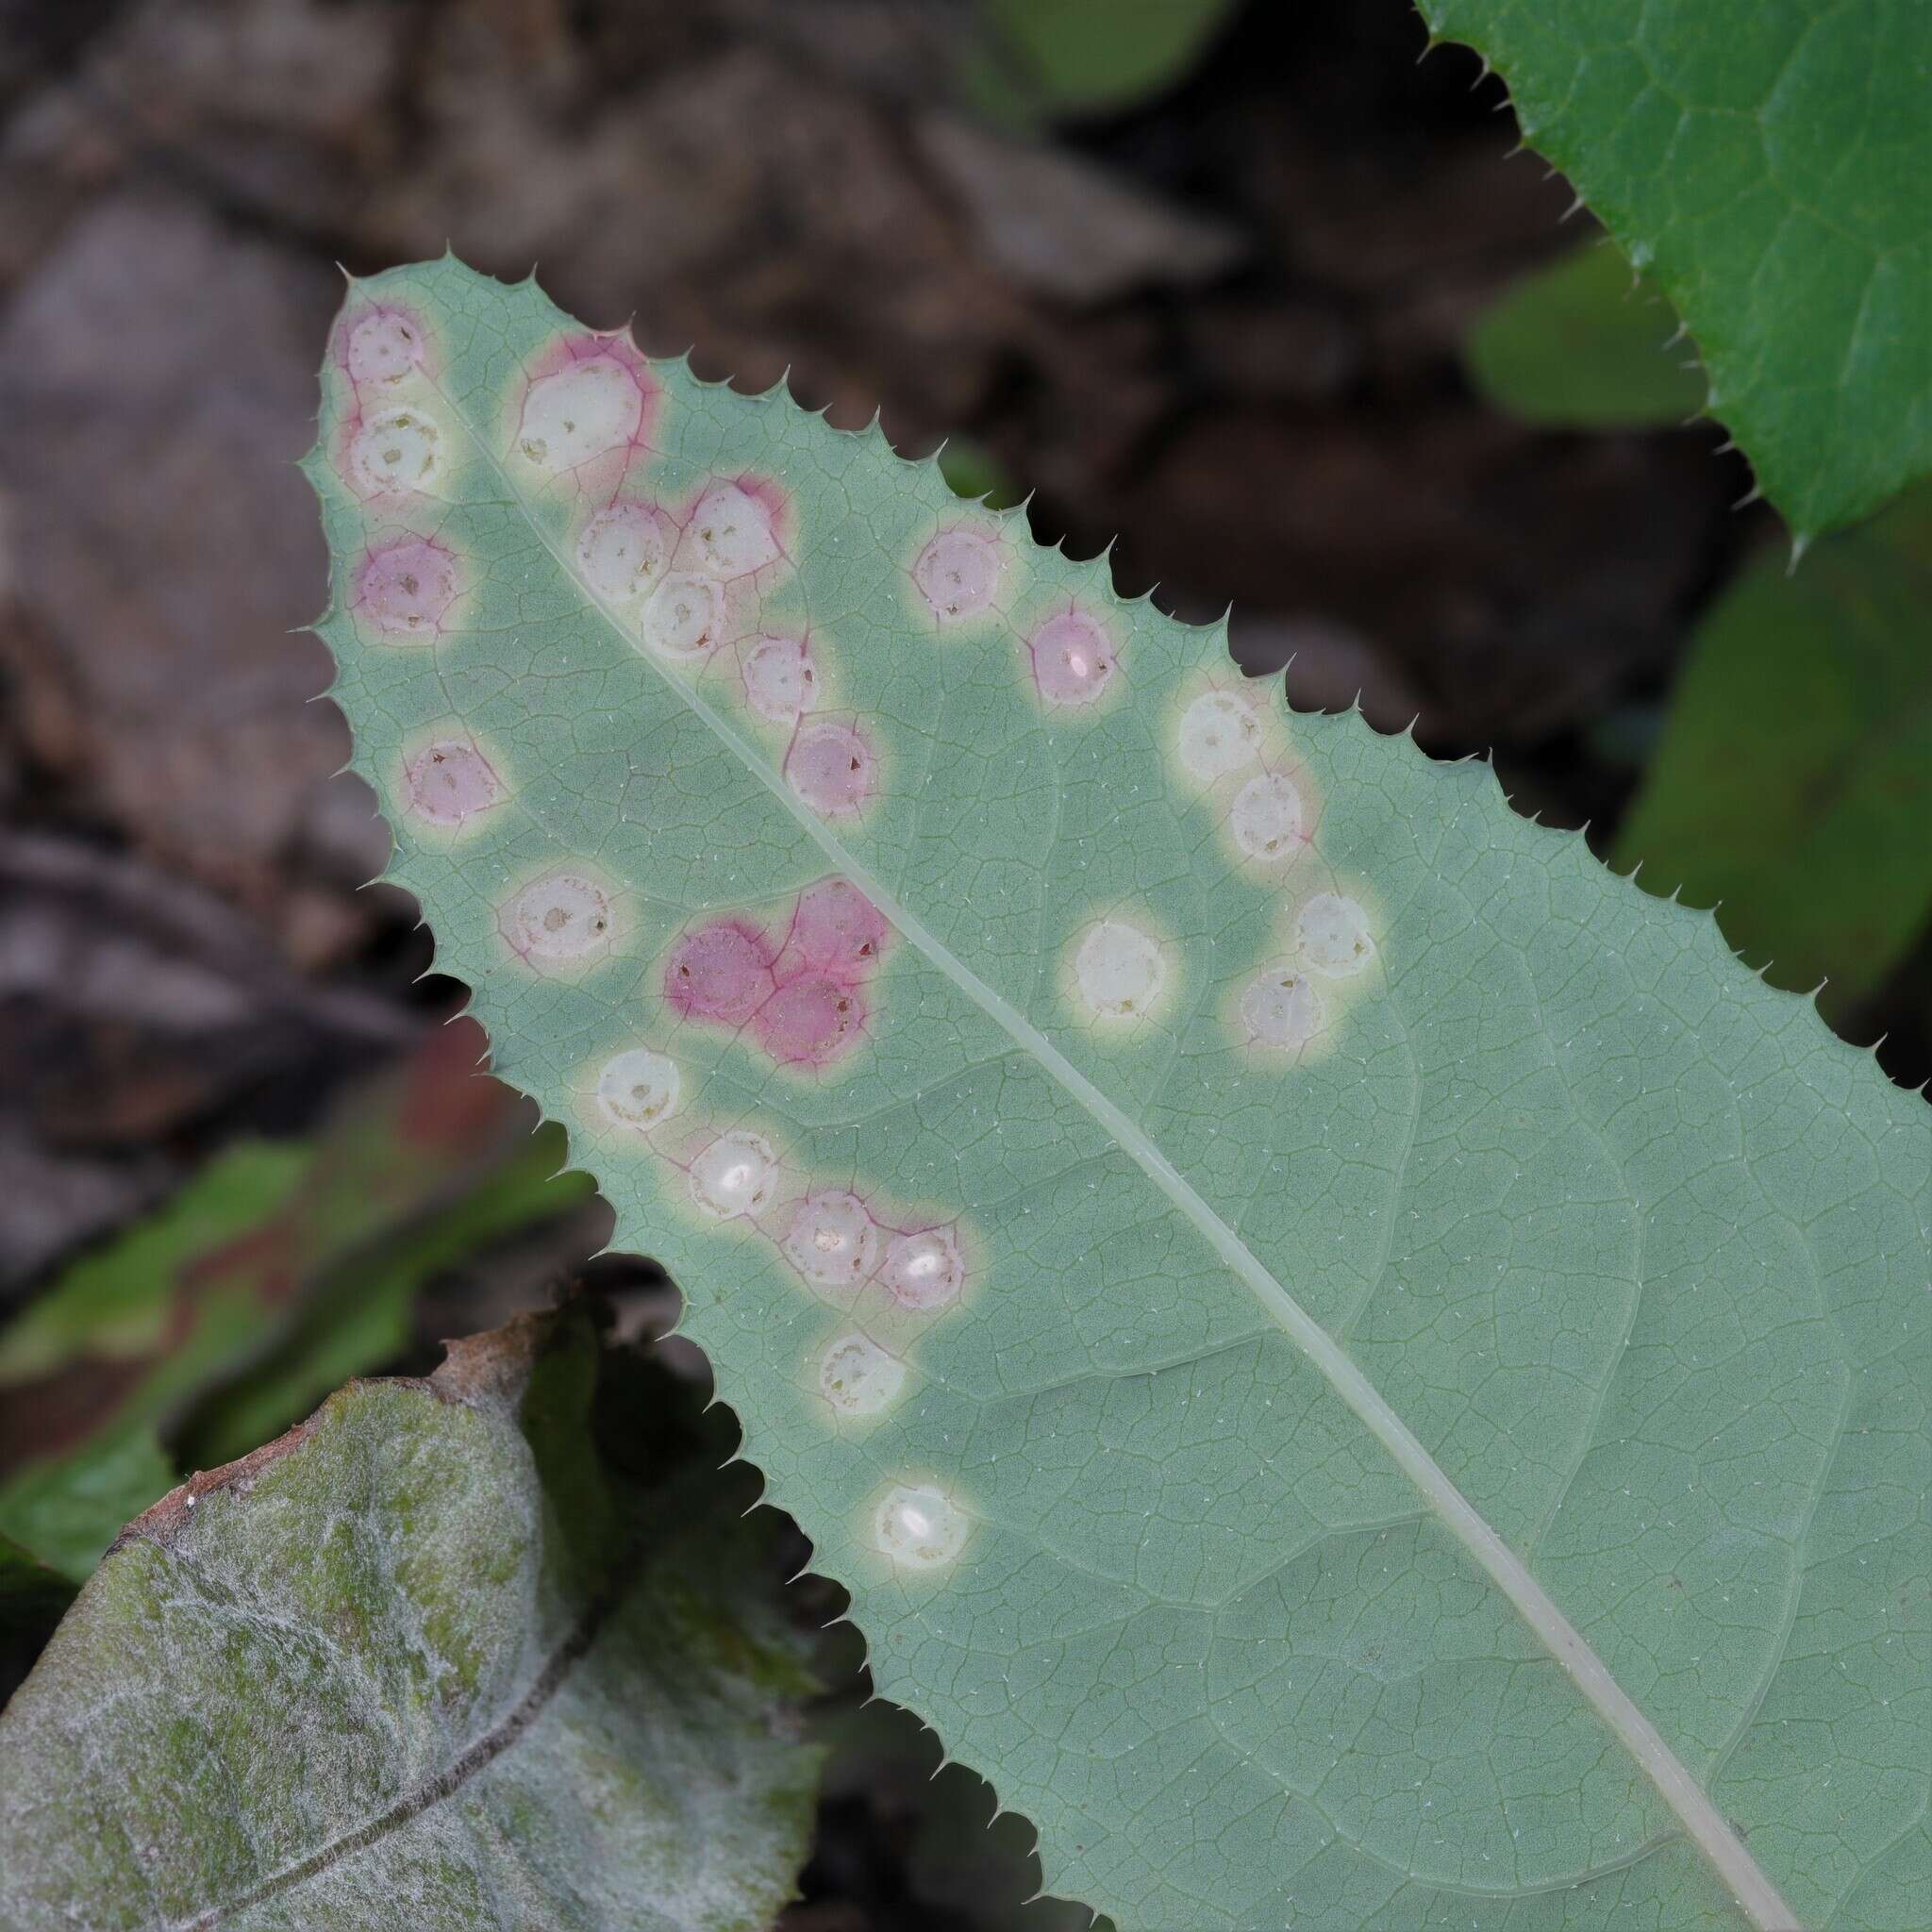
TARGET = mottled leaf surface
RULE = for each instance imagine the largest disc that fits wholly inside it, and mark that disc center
(422, 1662)
(1767, 165)
(1263, 1273)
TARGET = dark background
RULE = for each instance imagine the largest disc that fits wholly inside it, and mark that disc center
(1219, 327)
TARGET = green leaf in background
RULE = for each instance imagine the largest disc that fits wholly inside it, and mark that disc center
(33, 1595)
(66, 1508)
(422, 1661)
(1793, 787)
(1051, 57)
(1582, 345)
(1766, 162)
(973, 470)
(275, 1273)
(1361, 1370)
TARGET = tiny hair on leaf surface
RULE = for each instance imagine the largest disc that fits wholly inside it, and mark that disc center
(1362, 1371)
(426, 1660)
(1766, 165)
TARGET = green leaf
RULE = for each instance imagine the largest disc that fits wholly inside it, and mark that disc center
(972, 470)
(424, 1660)
(1793, 787)
(32, 1597)
(1075, 57)
(360, 1315)
(67, 1509)
(1767, 165)
(274, 1275)
(1583, 344)
(1363, 1371)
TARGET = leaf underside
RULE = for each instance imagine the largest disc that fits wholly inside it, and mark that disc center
(1202, 1041)
(1767, 165)
(415, 1664)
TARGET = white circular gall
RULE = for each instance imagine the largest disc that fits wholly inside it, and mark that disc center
(560, 917)
(833, 1241)
(624, 550)
(580, 412)
(1265, 819)
(919, 1527)
(780, 680)
(858, 1377)
(731, 531)
(638, 1089)
(734, 1175)
(1119, 970)
(924, 1269)
(1333, 934)
(399, 450)
(683, 617)
(1219, 734)
(1281, 1009)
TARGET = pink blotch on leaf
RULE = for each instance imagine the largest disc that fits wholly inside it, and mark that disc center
(719, 972)
(812, 1020)
(1072, 660)
(958, 574)
(404, 589)
(837, 929)
(832, 769)
(382, 344)
(450, 782)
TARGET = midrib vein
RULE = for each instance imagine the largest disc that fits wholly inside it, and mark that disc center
(1705, 1825)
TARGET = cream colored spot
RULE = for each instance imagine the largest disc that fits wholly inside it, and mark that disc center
(624, 550)
(858, 1377)
(638, 1089)
(683, 616)
(1265, 819)
(833, 1241)
(734, 1175)
(559, 917)
(1219, 734)
(919, 1527)
(580, 412)
(924, 1269)
(1281, 1008)
(401, 449)
(732, 530)
(1120, 969)
(1333, 933)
